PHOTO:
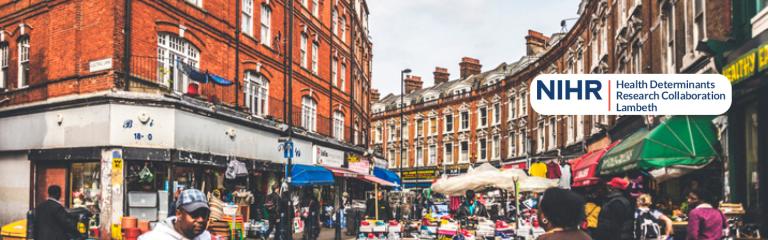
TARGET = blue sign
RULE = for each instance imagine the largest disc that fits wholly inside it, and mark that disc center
(288, 149)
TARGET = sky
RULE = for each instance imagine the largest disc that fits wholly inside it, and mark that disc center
(422, 34)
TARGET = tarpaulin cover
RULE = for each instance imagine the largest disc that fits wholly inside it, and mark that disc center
(342, 172)
(306, 175)
(678, 141)
(219, 80)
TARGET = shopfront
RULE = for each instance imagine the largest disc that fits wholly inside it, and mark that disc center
(747, 126)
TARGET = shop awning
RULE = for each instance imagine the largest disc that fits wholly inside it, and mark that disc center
(387, 175)
(341, 172)
(584, 167)
(306, 175)
(678, 141)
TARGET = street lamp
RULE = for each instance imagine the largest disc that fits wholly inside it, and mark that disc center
(402, 105)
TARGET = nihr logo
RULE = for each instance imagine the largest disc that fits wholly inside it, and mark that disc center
(566, 89)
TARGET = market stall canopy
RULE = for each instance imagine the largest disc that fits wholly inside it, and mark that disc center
(386, 175)
(536, 184)
(678, 141)
(341, 172)
(584, 167)
(484, 176)
(306, 175)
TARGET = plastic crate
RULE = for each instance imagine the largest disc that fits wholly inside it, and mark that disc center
(142, 199)
(143, 213)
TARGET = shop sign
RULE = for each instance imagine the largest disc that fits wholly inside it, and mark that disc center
(419, 174)
(747, 65)
(379, 162)
(358, 165)
(328, 157)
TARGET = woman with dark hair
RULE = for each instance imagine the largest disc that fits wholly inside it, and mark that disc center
(561, 211)
(705, 222)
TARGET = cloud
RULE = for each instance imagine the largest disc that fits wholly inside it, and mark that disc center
(422, 34)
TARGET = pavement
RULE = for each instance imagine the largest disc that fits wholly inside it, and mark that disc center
(325, 234)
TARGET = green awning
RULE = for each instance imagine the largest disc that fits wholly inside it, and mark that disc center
(680, 140)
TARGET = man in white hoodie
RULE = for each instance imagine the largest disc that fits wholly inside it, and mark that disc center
(190, 222)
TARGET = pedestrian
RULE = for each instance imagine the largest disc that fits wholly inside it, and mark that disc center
(51, 219)
(190, 222)
(647, 220)
(272, 203)
(561, 211)
(284, 230)
(705, 222)
(471, 209)
(384, 210)
(310, 215)
(616, 214)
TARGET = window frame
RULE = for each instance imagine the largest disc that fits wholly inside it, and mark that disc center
(256, 88)
(482, 149)
(464, 115)
(24, 49)
(464, 157)
(338, 125)
(448, 118)
(447, 153)
(309, 114)
(303, 49)
(170, 49)
(315, 56)
(266, 25)
(4, 60)
(246, 25)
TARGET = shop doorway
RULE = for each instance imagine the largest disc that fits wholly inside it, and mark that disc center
(48, 174)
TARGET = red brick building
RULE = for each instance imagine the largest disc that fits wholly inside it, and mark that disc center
(485, 116)
(207, 84)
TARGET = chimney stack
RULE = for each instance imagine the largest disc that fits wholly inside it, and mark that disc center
(412, 83)
(441, 75)
(535, 42)
(375, 95)
(469, 66)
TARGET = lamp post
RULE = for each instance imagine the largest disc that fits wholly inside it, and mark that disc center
(402, 105)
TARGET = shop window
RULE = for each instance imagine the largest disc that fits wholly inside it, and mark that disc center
(84, 186)
(751, 144)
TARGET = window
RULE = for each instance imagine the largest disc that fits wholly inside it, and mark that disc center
(355, 134)
(335, 22)
(315, 53)
(198, 3)
(496, 113)
(391, 158)
(464, 154)
(343, 26)
(496, 147)
(579, 127)
(335, 72)
(419, 127)
(464, 120)
(308, 113)
(523, 104)
(173, 54)
(542, 136)
(432, 155)
(433, 126)
(304, 3)
(404, 157)
(256, 93)
(511, 151)
(698, 22)
(637, 65)
(343, 77)
(419, 157)
(24, 62)
(447, 154)
(570, 128)
(303, 50)
(482, 148)
(483, 114)
(247, 18)
(377, 134)
(4, 58)
(448, 123)
(405, 129)
(524, 142)
(669, 37)
(266, 23)
(552, 133)
(315, 8)
(604, 38)
(392, 132)
(338, 125)
(512, 108)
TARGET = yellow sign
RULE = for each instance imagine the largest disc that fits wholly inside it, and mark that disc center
(762, 56)
(743, 67)
(117, 163)
(353, 158)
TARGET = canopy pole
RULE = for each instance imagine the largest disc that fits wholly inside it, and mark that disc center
(376, 200)
(517, 204)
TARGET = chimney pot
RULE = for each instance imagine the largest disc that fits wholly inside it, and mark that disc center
(441, 75)
(469, 66)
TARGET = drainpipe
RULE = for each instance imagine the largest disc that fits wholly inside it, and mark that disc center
(127, 53)
(237, 54)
